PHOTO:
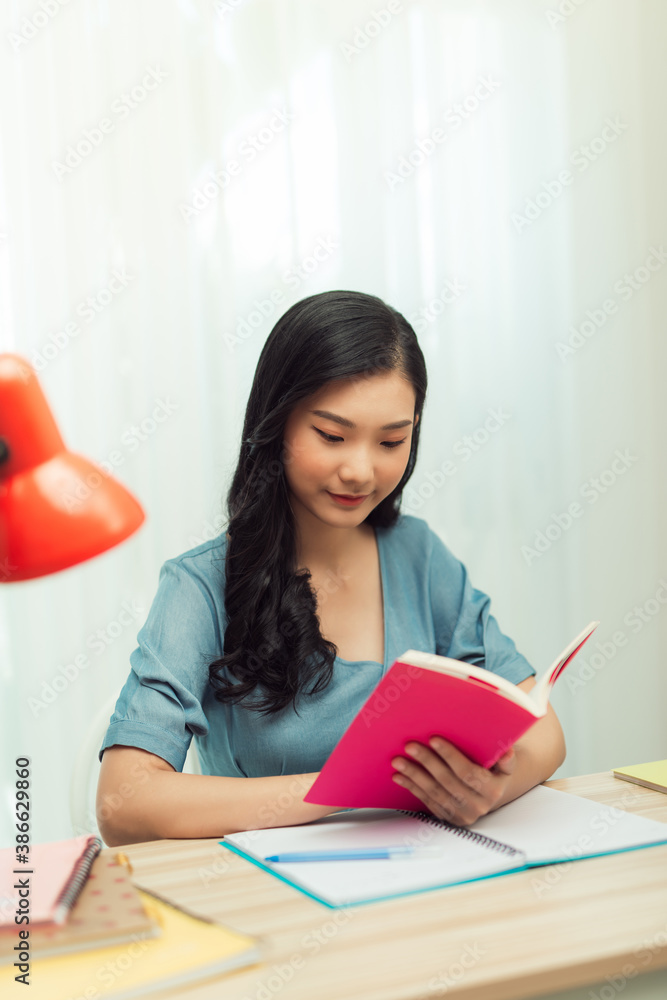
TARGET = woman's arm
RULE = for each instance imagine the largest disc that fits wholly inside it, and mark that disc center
(141, 797)
(539, 753)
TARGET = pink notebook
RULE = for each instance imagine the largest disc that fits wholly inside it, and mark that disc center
(424, 695)
(54, 875)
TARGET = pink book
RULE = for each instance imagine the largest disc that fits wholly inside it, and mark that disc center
(53, 877)
(424, 695)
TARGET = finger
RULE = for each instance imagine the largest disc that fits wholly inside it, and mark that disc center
(430, 772)
(470, 774)
(441, 809)
(505, 764)
(440, 787)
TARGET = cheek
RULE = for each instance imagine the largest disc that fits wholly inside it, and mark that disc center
(305, 462)
(394, 467)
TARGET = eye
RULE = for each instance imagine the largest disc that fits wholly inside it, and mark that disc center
(333, 439)
(327, 437)
(393, 444)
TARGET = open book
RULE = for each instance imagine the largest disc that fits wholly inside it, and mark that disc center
(541, 827)
(424, 695)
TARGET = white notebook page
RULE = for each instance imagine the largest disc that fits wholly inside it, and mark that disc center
(341, 882)
(544, 825)
(549, 825)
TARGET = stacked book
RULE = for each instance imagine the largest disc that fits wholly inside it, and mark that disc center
(86, 921)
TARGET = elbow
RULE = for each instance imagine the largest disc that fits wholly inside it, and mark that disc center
(118, 830)
(120, 820)
(553, 739)
(109, 836)
(128, 808)
(559, 752)
(113, 831)
(562, 752)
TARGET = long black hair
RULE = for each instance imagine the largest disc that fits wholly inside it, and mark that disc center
(273, 640)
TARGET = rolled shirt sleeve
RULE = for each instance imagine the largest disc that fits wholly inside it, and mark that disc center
(464, 626)
(160, 706)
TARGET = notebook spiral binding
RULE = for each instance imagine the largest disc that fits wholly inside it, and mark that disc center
(75, 884)
(462, 831)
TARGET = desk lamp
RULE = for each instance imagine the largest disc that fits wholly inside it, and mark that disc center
(56, 508)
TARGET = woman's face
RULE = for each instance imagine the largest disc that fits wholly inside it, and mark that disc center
(355, 454)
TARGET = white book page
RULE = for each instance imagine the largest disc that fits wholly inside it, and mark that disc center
(535, 701)
(550, 825)
(458, 668)
(342, 882)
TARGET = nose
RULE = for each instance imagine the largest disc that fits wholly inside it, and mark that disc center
(356, 470)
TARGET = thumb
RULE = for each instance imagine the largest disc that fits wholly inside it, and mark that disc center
(506, 763)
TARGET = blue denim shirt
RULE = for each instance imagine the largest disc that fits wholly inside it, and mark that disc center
(429, 605)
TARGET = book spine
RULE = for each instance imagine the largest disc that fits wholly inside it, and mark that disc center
(76, 881)
(463, 831)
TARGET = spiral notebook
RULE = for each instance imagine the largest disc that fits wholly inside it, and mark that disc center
(108, 911)
(541, 827)
(54, 872)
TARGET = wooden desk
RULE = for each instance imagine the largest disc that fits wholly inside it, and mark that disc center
(517, 936)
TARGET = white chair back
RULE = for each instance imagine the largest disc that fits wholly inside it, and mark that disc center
(85, 773)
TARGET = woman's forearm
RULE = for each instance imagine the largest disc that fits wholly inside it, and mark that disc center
(175, 805)
(539, 753)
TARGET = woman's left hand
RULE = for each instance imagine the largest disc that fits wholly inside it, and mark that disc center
(450, 785)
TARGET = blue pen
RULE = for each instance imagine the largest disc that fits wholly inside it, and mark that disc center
(353, 854)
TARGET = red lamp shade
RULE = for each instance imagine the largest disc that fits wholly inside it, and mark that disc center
(56, 508)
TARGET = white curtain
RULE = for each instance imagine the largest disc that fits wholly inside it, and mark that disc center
(174, 175)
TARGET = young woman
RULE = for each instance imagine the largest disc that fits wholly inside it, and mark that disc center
(265, 642)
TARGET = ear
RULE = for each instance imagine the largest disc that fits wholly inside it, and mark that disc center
(416, 421)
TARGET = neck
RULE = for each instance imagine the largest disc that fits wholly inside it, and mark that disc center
(322, 547)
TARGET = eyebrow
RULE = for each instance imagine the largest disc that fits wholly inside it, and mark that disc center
(348, 423)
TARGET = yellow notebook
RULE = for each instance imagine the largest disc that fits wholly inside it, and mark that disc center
(653, 775)
(189, 950)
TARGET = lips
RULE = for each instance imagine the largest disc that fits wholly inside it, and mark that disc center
(348, 501)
